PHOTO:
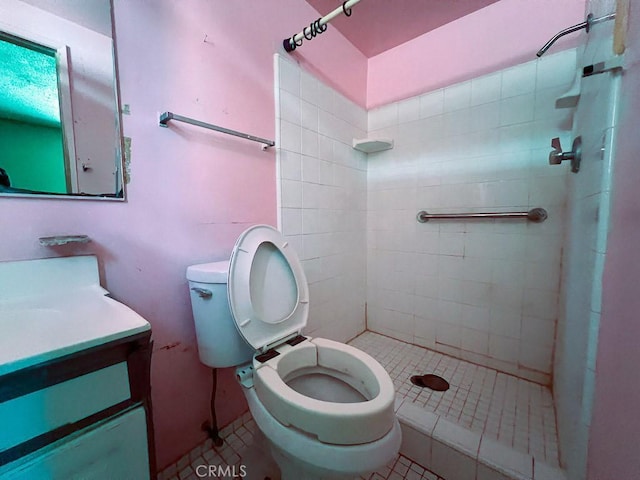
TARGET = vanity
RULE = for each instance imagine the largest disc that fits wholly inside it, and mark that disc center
(74, 376)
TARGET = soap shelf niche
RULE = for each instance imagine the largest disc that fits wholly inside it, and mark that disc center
(372, 145)
(58, 240)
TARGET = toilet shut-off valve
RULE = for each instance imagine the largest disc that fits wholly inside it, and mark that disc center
(557, 156)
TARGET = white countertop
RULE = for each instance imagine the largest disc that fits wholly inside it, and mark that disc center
(43, 324)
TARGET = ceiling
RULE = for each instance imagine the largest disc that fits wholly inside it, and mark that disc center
(378, 25)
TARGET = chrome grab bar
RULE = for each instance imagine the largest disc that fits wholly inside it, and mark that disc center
(534, 215)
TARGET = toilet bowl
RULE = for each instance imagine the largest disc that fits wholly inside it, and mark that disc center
(327, 389)
(299, 455)
(326, 408)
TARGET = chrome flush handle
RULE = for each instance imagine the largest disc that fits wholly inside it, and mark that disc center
(202, 292)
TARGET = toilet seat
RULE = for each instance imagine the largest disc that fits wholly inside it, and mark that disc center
(267, 288)
(331, 422)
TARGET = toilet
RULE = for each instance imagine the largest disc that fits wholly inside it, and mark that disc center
(326, 408)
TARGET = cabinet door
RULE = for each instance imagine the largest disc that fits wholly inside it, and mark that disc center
(42, 411)
(114, 449)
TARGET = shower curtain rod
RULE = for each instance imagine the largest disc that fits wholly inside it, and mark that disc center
(317, 27)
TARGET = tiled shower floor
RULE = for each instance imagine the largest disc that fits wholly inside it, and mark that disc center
(512, 411)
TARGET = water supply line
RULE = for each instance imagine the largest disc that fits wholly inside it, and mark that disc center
(212, 428)
(587, 24)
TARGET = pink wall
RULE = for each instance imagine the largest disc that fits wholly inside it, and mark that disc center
(333, 60)
(501, 35)
(192, 190)
(615, 427)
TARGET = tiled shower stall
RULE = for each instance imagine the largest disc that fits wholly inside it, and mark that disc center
(484, 292)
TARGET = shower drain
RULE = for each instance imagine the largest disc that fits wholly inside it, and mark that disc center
(434, 382)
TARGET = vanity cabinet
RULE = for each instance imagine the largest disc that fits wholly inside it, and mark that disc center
(85, 415)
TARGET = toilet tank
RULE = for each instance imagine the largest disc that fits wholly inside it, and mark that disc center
(219, 343)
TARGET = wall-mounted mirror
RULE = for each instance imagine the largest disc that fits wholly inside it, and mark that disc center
(59, 117)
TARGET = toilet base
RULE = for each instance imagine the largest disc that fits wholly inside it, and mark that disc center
(293, 469)
(301, 456)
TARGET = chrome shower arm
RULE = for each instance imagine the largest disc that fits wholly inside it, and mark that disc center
(586, 25)
(562, 33)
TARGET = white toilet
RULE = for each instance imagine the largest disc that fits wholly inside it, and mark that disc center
(326, 408)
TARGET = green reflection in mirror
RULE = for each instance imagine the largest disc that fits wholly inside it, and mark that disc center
(30, 130)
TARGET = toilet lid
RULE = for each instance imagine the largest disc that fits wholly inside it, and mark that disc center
(267, 288)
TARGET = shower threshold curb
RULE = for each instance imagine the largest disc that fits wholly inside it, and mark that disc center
(455, 452)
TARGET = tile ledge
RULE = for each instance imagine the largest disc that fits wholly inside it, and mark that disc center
(496, 456)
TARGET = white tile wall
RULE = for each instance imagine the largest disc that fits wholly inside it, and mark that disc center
(322, 196)
(586, 248)
(482, 290)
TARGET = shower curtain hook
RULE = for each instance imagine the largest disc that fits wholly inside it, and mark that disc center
(311, 33)
(347, 12)
(319, 27)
